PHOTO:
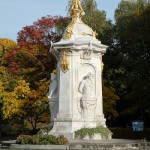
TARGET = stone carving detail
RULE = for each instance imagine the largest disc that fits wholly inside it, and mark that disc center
(86, 86)
(52, 96)
(87, 103)
(64, 62)
(86, 55)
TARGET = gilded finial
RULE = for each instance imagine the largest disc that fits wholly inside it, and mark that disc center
(76, 8)
(76, 11)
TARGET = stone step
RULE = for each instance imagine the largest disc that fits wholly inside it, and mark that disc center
(113, 144)
(7, 144)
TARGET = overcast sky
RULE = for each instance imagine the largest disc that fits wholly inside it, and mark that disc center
(16, 14)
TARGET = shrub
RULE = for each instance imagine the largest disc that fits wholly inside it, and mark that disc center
(24, 139)
(61, 140)
(42, 139)
(48, 139)
(82, 133)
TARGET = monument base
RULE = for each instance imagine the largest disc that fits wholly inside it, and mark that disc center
(67, 127)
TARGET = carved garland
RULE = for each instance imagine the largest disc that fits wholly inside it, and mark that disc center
(86, 55)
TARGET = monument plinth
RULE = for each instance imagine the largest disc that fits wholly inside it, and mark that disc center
(76, 99)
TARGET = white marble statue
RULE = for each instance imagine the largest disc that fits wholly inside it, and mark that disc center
(52, 86)
(51, 96)
(86, 86)
(87, 104)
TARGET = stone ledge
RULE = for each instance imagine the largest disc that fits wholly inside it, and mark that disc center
(113, 144)
(40, 147)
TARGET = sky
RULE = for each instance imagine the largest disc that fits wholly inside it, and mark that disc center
(16, 14)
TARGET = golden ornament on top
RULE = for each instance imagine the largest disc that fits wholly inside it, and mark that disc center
(76, 11)
(76, 8)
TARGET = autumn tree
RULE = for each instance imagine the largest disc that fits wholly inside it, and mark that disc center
(36, 105)
(35, 42)
(34, 67)
(6, 46)
(31, 62)
(20, 76)
(6, 81)
(24, 104)
(1, 96)
(35, 108)
(43, 31)
(12, 100)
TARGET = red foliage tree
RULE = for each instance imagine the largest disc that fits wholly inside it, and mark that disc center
(12, 64)
(43, 31)
(37, 36)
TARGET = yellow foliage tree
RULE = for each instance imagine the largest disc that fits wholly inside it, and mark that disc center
(12, 102)
(1, 91)
(26, 104)
(36, 106)
(6, 44)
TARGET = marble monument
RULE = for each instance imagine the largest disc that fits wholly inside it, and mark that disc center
(75, 92)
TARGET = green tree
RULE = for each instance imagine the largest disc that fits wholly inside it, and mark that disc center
(127, 60)
(95, 18)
